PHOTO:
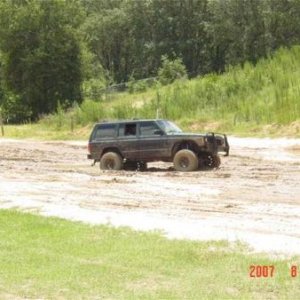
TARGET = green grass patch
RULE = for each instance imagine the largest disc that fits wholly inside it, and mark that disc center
(41, 131)
(53, 258)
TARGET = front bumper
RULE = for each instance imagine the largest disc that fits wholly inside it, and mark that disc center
(218, 143)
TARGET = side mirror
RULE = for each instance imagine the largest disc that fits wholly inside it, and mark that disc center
(158, 132)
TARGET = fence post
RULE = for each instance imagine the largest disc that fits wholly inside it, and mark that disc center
(1, 124)
(157, 104)
(72, 123)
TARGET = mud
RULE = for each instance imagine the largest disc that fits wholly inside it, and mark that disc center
(254, 197)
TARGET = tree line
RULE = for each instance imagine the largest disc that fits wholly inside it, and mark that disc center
(54, 52)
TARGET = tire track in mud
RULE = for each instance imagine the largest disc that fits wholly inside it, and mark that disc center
(252, 197)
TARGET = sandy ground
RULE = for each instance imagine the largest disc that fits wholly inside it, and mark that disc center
(254, 197)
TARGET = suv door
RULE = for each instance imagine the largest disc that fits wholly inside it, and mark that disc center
(153, 144)
(128, 140)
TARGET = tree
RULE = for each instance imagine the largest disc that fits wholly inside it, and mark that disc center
(129, 37)
(42, 57)
(107, 32)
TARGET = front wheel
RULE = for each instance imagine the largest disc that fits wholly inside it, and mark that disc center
(210, 161)
(185, 160)
(111, 161)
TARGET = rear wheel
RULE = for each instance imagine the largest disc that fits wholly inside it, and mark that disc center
(111, 161)
(185, 160)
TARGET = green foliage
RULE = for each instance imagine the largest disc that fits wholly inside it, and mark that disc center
(242, 99)
(42, 60)
(137, 86)
(130, 37)
(261, 94)
(93, 89)
(89, 111)
(171, 70)
(66, 50)
(107, 33)
(95, 77)
(13, 109)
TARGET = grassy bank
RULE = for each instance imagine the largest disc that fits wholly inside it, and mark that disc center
(52, 258)
(260, 100)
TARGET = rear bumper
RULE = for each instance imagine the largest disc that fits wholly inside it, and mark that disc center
(89, 156)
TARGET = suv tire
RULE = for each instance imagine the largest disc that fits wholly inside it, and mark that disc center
(186, 161)
(209, 161)
(215, 161)
(111, 161)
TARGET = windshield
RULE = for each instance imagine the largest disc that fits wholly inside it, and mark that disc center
(169, 127)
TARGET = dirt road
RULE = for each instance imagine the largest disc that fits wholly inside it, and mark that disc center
(254, 197)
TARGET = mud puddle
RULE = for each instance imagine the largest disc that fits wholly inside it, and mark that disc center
(254, 197)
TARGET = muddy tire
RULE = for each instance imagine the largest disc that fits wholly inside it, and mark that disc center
(111, 161)
(142, 166)
(210, 161)
(215, 161)
(185, 161)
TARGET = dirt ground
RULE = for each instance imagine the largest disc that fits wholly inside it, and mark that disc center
(254, 197)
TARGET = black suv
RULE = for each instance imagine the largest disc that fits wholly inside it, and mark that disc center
(131, 144)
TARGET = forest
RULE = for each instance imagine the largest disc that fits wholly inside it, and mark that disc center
(56, 53)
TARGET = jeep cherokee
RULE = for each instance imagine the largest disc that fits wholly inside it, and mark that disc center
(131, 144)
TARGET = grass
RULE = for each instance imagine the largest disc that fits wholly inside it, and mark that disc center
(40, 131)
(53, 258)
(248, 100)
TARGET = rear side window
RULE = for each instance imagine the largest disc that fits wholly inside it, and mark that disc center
(128, 130)
(105, 131)
(148, 129)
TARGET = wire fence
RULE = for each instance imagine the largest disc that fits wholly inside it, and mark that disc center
(130, 86)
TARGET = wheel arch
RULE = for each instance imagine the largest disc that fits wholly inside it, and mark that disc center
(111, 149)
(185, 144)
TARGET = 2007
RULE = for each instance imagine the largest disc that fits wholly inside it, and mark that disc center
(261, 271)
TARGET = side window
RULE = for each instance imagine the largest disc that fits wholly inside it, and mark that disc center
(129, 129)
(105, 131)
(149, 129)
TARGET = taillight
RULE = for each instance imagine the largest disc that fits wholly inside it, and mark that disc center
(89, 148)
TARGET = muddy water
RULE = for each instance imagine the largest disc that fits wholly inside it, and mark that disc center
(253, 197)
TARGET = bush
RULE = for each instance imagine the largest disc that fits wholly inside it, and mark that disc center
(13, 109)
(93, 89)
(136, 86)
(171, 70)
(141, 85)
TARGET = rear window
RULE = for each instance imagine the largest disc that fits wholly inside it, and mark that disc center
(105, 131)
